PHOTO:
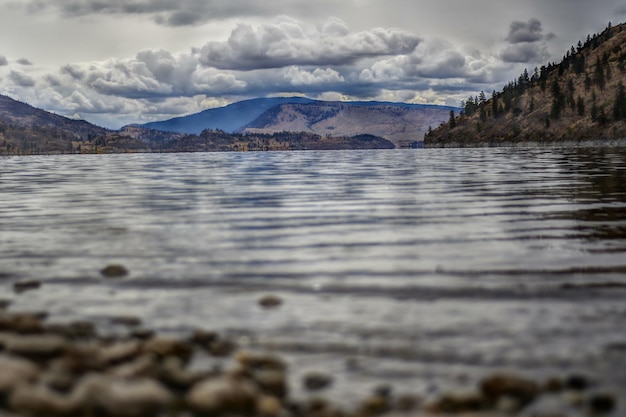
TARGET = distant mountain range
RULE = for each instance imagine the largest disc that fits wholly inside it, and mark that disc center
(401, 123)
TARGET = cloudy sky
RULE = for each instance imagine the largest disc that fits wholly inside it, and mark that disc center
(114, 62)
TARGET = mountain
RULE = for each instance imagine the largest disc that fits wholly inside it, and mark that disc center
(582, 99)
(16, 113)
(229, 118)
(25, 130)
(400, 123)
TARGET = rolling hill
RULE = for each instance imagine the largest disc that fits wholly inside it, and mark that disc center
(401, 123)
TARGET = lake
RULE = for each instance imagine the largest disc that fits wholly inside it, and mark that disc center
(423, 269)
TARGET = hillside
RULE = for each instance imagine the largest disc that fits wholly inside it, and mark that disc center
(229, 118)
(399, 123)
(579, 100)
(25, 130)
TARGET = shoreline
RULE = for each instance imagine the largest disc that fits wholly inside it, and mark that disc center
(72, 370)
(567, 144)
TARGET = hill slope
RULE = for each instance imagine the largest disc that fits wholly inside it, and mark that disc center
(398, 122)
(581, 99)
(229, 118)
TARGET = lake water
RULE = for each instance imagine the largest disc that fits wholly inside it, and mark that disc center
(419, 268)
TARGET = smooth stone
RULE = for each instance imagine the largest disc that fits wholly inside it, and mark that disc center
(39, 400)
(314, 381)
(459, 402)
(15, 371)
(268, 406)
(496, 386)
(270, 301)
(23, 286)
(162, 346)
(577, 382)
(259, 361)
(272, 382)
(224, 395)
(78, 330)
(119, 352)
(24, 323)
(121, 397)
(601, 403)
(34, 347)
(114, 271)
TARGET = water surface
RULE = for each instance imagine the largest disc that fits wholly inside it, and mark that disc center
(422, 268)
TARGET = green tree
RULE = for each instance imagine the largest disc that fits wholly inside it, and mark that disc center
(452, 120)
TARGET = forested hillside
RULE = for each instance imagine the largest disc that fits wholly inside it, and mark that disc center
(580, 99)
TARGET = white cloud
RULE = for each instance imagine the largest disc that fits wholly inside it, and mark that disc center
(288, 42)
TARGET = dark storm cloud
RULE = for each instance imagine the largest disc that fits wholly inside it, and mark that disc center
(288, 42)
(183, 12)
(21, 79)
(530, 31)
(525, 53)
(24, 61)
(3, 61)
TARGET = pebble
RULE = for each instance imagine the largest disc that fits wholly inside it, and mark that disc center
(270, 301)
(114, 271)
(23, 286)
(315, 381)
(497, 386)
(602, 403)
(15, 371)
(34, 347)
(223, 395)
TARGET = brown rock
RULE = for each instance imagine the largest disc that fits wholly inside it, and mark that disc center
(459, 403)
(23, 286)
(224, 395)
(114, 271)
(316, 381)
(270, 301)
(268, 406)
(602, 403)
(24, 323)
(34, 347)
(162, 346)
(15, 371)
(39, 400)
(120, 397)
(497, 386)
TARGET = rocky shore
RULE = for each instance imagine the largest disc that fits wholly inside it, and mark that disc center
(72, 370)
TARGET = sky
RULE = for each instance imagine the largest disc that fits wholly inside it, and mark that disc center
(116, 62)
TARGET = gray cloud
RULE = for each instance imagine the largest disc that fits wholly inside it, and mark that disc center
(24, 61)
(621, 10)
(3, 61)
(525, 53)
(530, 31)
(21, 79)
(288, 42)
(183, 12)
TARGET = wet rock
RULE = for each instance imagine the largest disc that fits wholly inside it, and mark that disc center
(114, 271)
(15, 371)
(204, 338)
(162, 346)
(143, 366)
(497, 386)
(4, 304)
(23, 323)
(407, 402)
(260, 362)
(224, 395)
(39, 400)
(577, 382)
(34, 347)
(268, 406)
(374, 405)
(461, 402)
(270, 301)
(173, 374)
(272, 382)
(553, 385)
(222, 347)
(602, 403)
(119, 352)
(23, 286)
(142, 334)
(78, 330)
(315, 381)
(120, 397)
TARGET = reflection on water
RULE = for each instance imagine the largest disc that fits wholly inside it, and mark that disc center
(436, 258)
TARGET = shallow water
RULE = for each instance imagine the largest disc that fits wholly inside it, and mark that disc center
(419, 268)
